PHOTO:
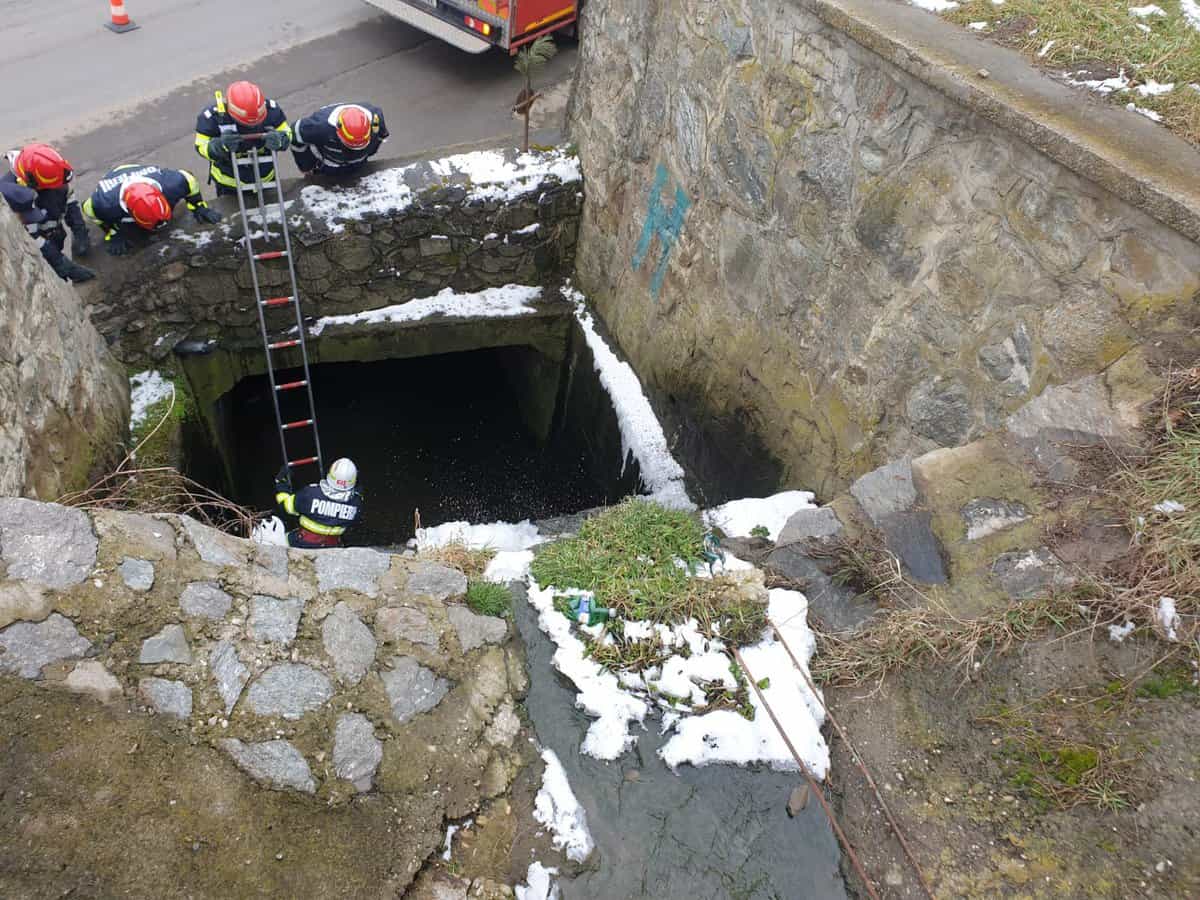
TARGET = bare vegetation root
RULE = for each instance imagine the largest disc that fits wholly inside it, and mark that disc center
(162, 489)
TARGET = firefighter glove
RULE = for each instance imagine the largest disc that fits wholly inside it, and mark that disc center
(207, 215)
(283, 479)
(276, 140)
(81, 241)
(218, 151)
(116, 244)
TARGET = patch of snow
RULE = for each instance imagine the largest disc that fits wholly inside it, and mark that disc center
(509, 565)
(1169, 507)
(1144, 12)
(529, 229)
(1046, 48)
(559, 810)
(146, 389)
(539, 884)
(491, 236)
(271, 530)
(600, 693)
(1118, 82)
(491, 177)
(1191, 12)
(1141, 27)
(726, 737)
(641, 433)
(499, 536)
(1153, 88)
(1168, 618)
(738, 518)
(935, 5)
(492, 303)
(1118, 633)
(1141, 110)
(978, 26)
(198, 240)
(451, 831)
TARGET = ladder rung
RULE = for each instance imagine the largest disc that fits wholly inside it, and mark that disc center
(291, 385)
(277, 301)
(300, 423)
(302, 462)
(271, 254)
(283, 345)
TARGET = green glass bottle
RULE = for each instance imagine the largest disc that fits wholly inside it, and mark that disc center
(585, 610)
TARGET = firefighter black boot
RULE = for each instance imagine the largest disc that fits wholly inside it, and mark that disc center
(69, 270)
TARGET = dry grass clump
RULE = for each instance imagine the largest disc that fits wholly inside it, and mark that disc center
(457, 555)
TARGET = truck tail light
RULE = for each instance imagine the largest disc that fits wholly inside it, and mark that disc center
(482, 27)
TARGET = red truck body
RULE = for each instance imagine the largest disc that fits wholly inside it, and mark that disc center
(478, 25)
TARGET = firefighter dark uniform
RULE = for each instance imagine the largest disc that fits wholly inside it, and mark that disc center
(325, 512)
(43, 212)
(323, 143)
(109, 206)
(216, 121)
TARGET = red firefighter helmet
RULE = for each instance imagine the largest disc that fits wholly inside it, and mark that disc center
(42, 167)
(354, 127)
(246, 103)
(146, 203)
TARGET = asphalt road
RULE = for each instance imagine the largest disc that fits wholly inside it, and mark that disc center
(104, 98)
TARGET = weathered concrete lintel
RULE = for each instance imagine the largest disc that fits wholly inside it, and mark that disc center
(1142, 163)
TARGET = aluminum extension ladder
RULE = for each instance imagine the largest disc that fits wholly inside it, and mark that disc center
(264, 306)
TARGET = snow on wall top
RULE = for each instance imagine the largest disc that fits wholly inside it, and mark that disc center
(486, 175)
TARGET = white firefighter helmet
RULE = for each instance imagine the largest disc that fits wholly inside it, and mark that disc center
(342, 477)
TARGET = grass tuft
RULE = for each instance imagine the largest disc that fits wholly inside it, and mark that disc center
(627, 556)
(489, 598)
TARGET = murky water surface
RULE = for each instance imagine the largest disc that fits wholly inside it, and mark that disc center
(702, 834)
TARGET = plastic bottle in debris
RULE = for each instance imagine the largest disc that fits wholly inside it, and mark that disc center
(585, 610)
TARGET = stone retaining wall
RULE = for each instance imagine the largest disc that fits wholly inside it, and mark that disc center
(467, 223)
(819, 234)
(64, 399)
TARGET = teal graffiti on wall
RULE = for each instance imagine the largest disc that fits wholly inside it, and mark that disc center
(663, 223)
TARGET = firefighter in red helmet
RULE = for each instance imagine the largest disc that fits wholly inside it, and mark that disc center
(339, 138)
(132, 199)
(242, 110)
(38, 189)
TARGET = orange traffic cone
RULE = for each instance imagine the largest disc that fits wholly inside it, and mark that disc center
(120, 19)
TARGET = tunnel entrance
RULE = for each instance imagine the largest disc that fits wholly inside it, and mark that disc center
(491, 434)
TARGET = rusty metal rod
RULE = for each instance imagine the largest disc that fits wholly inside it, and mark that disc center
(812, 782)
(854, 754)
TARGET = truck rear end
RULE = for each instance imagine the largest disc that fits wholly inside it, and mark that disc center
(479, 25)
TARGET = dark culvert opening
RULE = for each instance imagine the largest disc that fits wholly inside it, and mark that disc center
(484, 435)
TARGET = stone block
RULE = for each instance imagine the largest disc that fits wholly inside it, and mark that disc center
(474, 631)
(214, 546)
(349, 643)
(355, 569)
(29, 647)
(167, 698)
(1078, 412)
(985, 516)
(170, 645)
(274, 620)
(138, 574)
(91, 678)
(23, 601)
(204, 600)
(1030, 573)
(411, 688)
(888, 489)
(436, 582)
(46, 543)
(807, 524)
(289, 690)
(229, 673)
(356, 751)
(393, 623)
(277, 764)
